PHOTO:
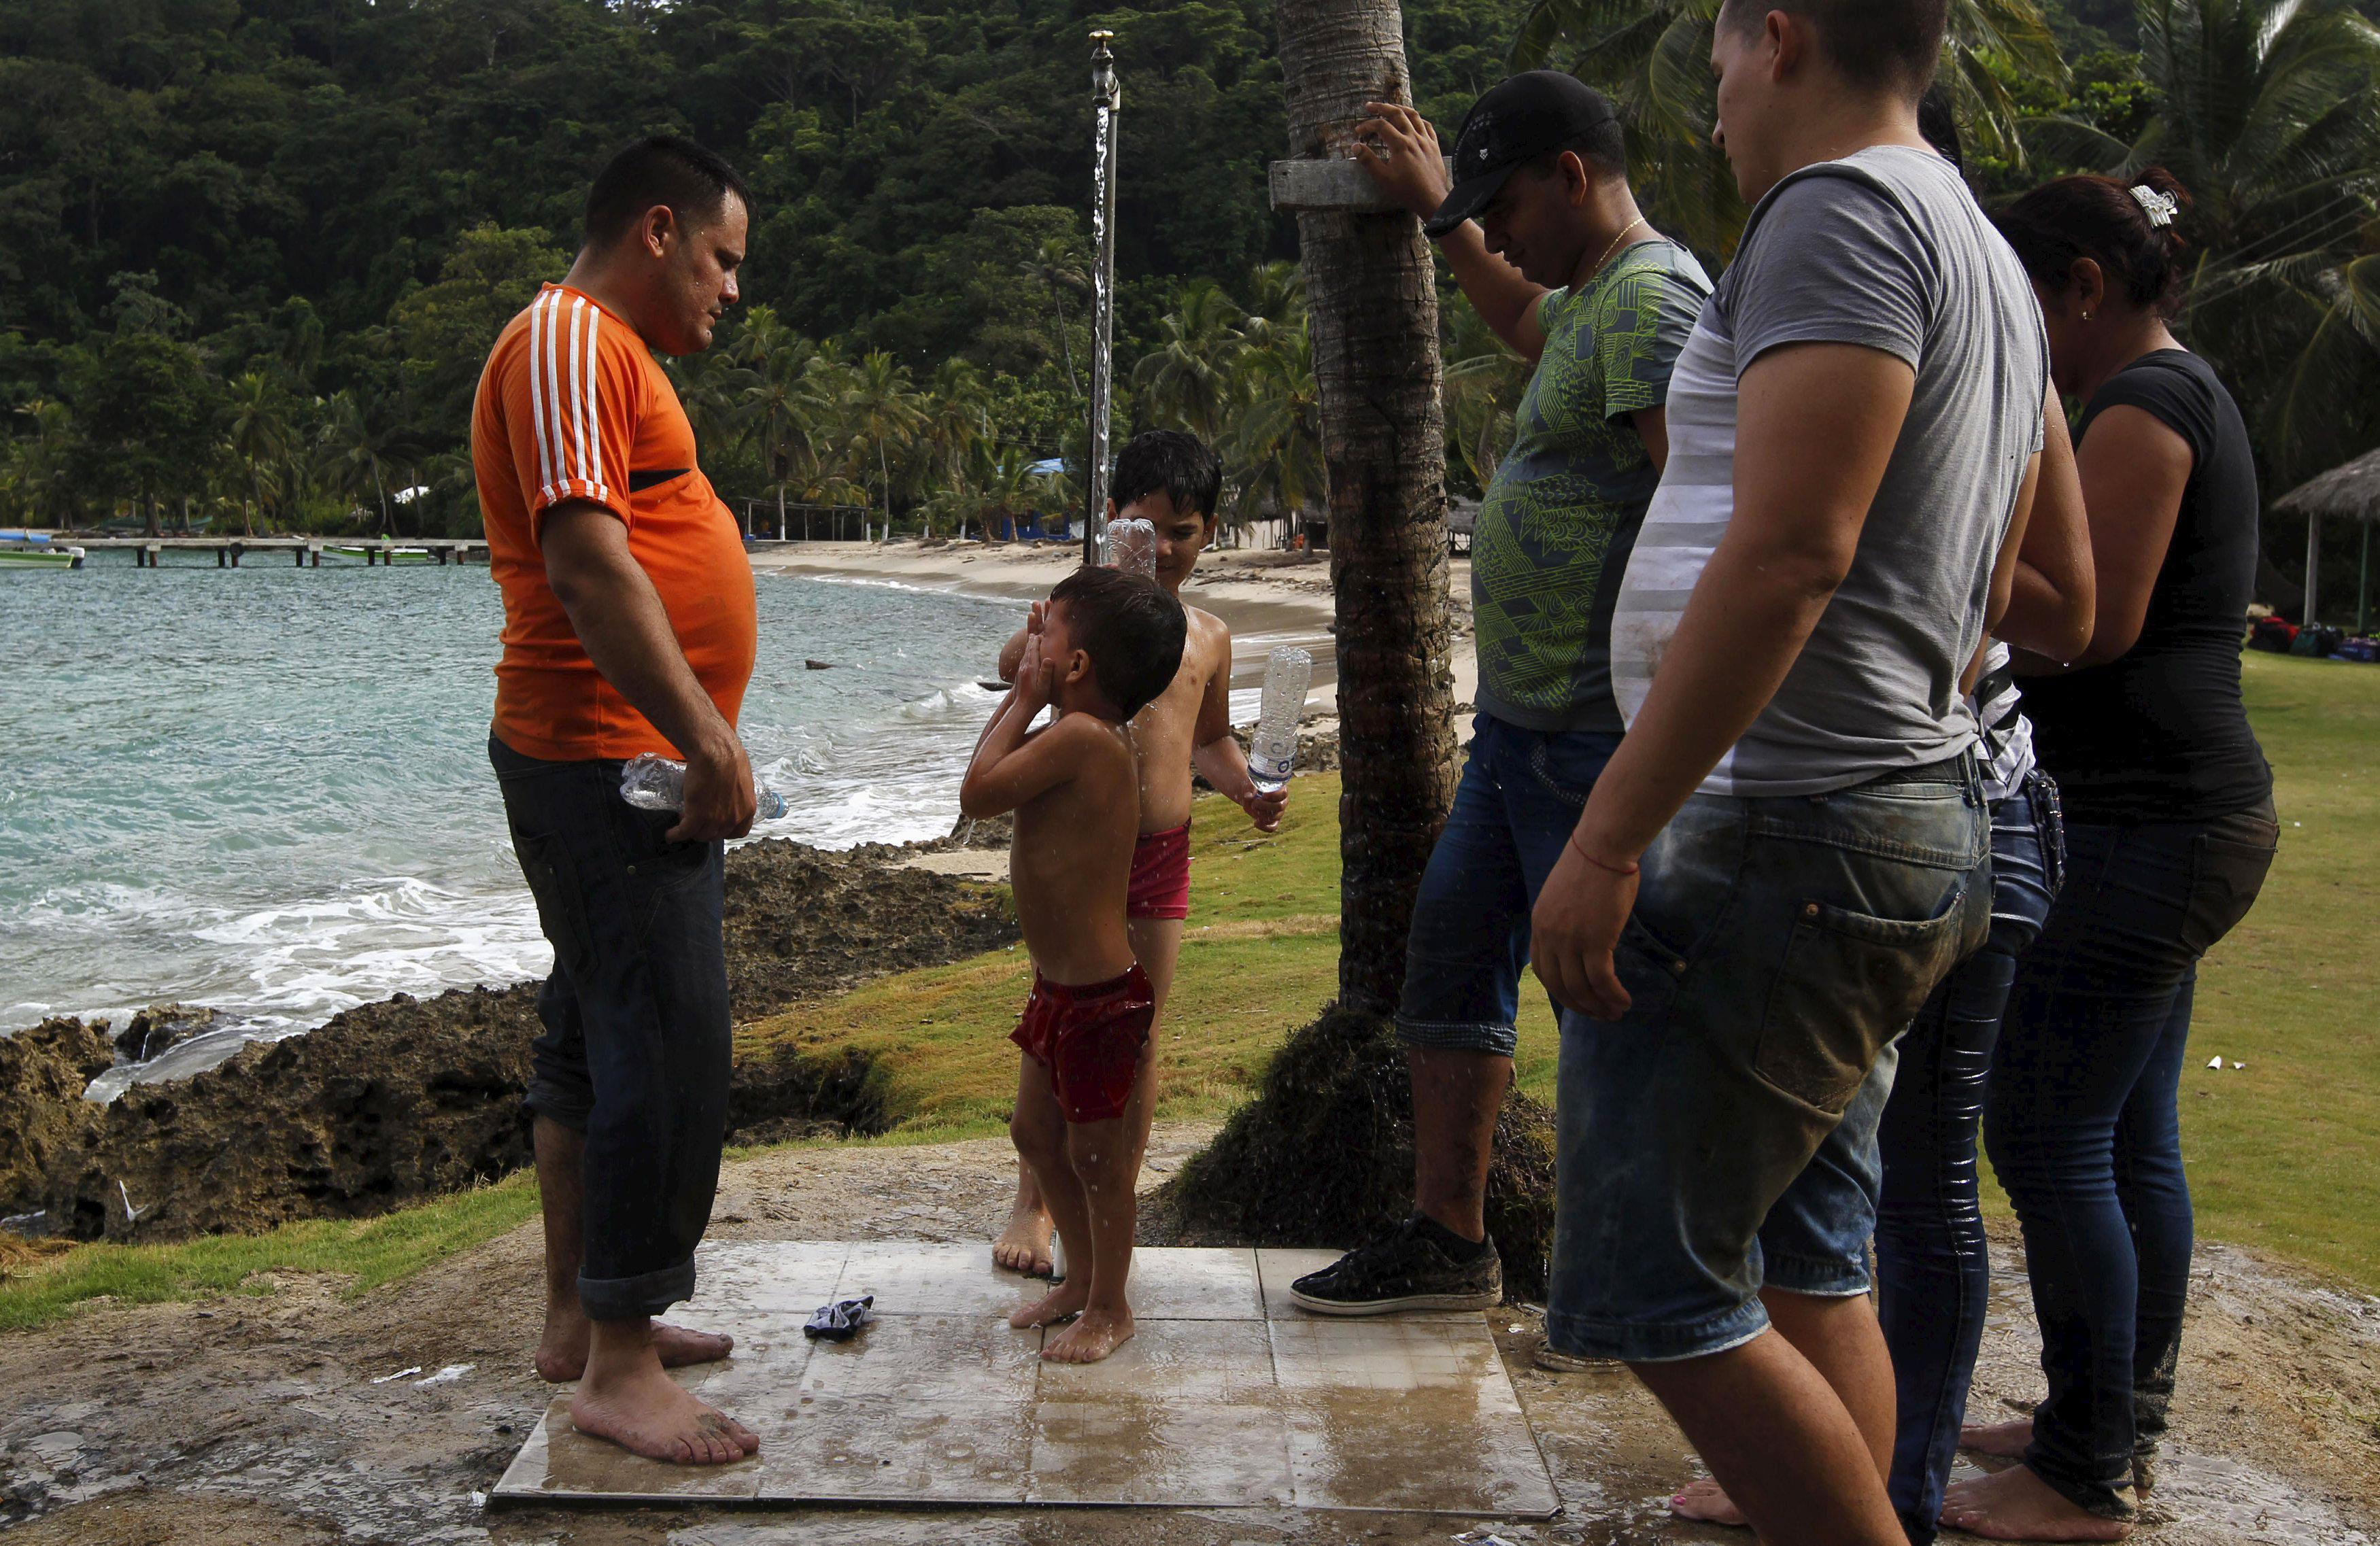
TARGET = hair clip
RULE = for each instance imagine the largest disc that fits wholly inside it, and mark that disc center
(2159, 207)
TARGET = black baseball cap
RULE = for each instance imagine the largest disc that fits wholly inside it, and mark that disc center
(1513, 123)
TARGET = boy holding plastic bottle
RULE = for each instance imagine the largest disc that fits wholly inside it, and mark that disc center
(1175, 482)
(1103, 646)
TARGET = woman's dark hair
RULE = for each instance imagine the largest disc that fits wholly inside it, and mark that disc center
(1941, 126)
(2102, 219)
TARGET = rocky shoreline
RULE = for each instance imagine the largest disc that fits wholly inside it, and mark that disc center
(391, 1102)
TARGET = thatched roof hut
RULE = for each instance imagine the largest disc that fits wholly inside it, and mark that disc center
(2351, 491)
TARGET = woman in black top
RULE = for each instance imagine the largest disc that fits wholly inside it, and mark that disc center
(2170, 830)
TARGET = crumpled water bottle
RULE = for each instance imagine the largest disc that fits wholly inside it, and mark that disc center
(1272, 750)
(1131, 546)
(650, 782)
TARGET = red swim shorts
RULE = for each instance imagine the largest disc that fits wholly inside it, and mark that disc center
(1089, 1037)
(1160, 875)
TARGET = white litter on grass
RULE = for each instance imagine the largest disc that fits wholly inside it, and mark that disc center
(398, 1375)
(2237, 1067)
(447, 1375)
(2215, 1062)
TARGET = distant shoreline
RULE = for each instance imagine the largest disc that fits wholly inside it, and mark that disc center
(1266, 598)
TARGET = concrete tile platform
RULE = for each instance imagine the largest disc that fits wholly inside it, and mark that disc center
(1228, 1396)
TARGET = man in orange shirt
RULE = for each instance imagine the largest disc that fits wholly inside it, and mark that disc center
(629, 627)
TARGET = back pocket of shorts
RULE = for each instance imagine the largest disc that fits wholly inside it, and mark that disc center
(1849, 985)
(561, 909)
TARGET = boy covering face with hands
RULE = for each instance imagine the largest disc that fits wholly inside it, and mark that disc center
(1105, 646)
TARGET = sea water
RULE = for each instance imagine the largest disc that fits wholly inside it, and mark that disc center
(266, 789)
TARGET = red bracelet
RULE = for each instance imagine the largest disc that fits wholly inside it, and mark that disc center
(1629, 868)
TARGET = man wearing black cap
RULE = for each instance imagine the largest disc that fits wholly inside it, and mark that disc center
(1541, 231)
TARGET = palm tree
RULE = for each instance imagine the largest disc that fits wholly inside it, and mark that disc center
(1373, 300)
(1653, 56)
(1273, 453)
(37, 481)
(1186, 379)
(2267, 114)
(765, 387)
(258, 437)
(1485, 381)
(1055, 266)
(958, 428)
(881, 413)
(364, 446)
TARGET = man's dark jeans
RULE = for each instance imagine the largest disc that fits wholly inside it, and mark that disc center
(1933, 1264)
(2081, 1121)
(635, 1054)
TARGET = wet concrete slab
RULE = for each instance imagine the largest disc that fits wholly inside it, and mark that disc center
(1228, 1398)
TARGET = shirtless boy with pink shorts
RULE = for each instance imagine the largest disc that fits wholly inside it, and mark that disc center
(1106, 645)
(1173, 481)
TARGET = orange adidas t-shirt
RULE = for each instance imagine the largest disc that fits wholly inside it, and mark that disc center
(572, 406)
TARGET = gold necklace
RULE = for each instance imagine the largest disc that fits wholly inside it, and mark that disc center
(1614, 246)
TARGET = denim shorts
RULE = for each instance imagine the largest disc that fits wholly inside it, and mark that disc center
(1720, 1136)
(1517, 804)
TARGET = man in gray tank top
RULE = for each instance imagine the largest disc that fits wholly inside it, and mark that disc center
(1789, 850)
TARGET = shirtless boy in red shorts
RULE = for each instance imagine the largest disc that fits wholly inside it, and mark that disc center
(1170, 480)
(1105, 644)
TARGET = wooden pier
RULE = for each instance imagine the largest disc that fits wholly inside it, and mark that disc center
(305, 551)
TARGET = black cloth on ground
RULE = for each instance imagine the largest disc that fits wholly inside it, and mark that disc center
(2161, 734)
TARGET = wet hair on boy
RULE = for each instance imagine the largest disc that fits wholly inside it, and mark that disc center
(1131, 630)
(1171, 462)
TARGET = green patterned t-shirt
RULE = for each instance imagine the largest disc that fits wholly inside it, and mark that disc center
(1562, 511)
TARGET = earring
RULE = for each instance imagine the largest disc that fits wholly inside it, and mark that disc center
(2087, 316)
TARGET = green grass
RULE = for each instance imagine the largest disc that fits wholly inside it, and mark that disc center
(370, 1252)
(2284, 1153)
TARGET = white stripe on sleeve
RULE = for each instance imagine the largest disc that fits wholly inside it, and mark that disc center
(537, 399)
(594, 419)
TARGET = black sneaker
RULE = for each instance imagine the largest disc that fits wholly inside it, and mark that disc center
(1403, 1270)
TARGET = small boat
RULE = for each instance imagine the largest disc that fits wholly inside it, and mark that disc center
(35, 550)
(378, 555)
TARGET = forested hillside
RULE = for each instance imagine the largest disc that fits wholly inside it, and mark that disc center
(253, 250)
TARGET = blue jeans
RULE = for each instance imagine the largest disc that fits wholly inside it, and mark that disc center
(1519, 801)
(635, 1049)
(1720, 1136)
(1933, 1264)
(2081, 1121)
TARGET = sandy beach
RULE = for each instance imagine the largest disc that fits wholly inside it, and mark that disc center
(1266, 597)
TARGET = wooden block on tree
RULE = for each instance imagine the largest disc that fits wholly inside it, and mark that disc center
(1341, 187)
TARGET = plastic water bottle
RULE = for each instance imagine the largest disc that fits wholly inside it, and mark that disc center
(658, 783)
(1273, 750)
(1131, 547)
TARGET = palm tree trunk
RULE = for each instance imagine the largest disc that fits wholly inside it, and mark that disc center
(1374, 308)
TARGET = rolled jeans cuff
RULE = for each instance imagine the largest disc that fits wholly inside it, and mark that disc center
(631, 1298)
(1583, 1337)
(2098, 1498)
(1815, 1277)
(1459, 1035)
(569, 1104)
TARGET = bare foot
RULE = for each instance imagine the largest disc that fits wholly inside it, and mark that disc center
(650, 1413)
(1023, 1246)
(562, 1355)
(1708, 1502)
(1061, 1303)
(2009, 1439)
(1095, 1334)
(2015, 1505)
